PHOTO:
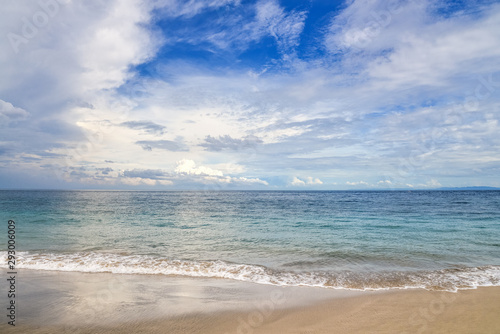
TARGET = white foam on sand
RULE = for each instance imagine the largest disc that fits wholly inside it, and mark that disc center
(447, 279)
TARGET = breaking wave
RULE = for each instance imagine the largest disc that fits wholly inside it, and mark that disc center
(446, 279)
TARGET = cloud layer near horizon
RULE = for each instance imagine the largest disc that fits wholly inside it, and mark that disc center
(223, 94)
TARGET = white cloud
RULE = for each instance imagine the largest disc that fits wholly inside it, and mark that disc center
(436, 54)
(232, 33)
(230, 168)
(284, 27)
(399, 99)
(310, 181)
(274, 136)
(136, 181)
(121, 42)
(203, 174)
(9, 113)
(405, 44)
(238, 181)
(297, 182)
(84, 47)
(245, 180)
(313, 181)
(430, 184)
(373, 25)
(181, 8)
(358, 183)
(186, 174)
(186, 166)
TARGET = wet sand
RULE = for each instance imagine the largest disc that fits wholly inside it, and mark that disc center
(69, 302)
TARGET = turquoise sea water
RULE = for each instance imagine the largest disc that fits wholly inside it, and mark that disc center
(444, 240)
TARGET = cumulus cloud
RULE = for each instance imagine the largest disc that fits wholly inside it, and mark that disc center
(357, 183)
(297, 182)
(65, 72)
(244, 180)
(310, 181)
(390, 95)
(73, 69)
(186, 174)
(203, 174)
(237, 181)
(188, 167)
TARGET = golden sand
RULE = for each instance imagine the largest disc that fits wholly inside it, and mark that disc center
(399, 311)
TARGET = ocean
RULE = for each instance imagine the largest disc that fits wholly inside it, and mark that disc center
(360, 240)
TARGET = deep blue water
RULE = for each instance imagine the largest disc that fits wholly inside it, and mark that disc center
(434, 239)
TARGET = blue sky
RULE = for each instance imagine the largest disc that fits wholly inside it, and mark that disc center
(227, 94)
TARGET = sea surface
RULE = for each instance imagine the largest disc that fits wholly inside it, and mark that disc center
(366, 240)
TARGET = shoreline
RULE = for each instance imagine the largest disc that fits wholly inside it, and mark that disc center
(70, 302)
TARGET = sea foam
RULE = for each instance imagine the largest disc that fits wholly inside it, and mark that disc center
(450, 279)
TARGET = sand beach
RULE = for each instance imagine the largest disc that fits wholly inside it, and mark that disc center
(72, 302)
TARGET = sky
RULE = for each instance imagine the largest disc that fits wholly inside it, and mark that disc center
(257, 95)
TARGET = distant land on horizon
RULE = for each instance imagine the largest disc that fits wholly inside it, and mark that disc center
(469, 188)
(438, 189)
